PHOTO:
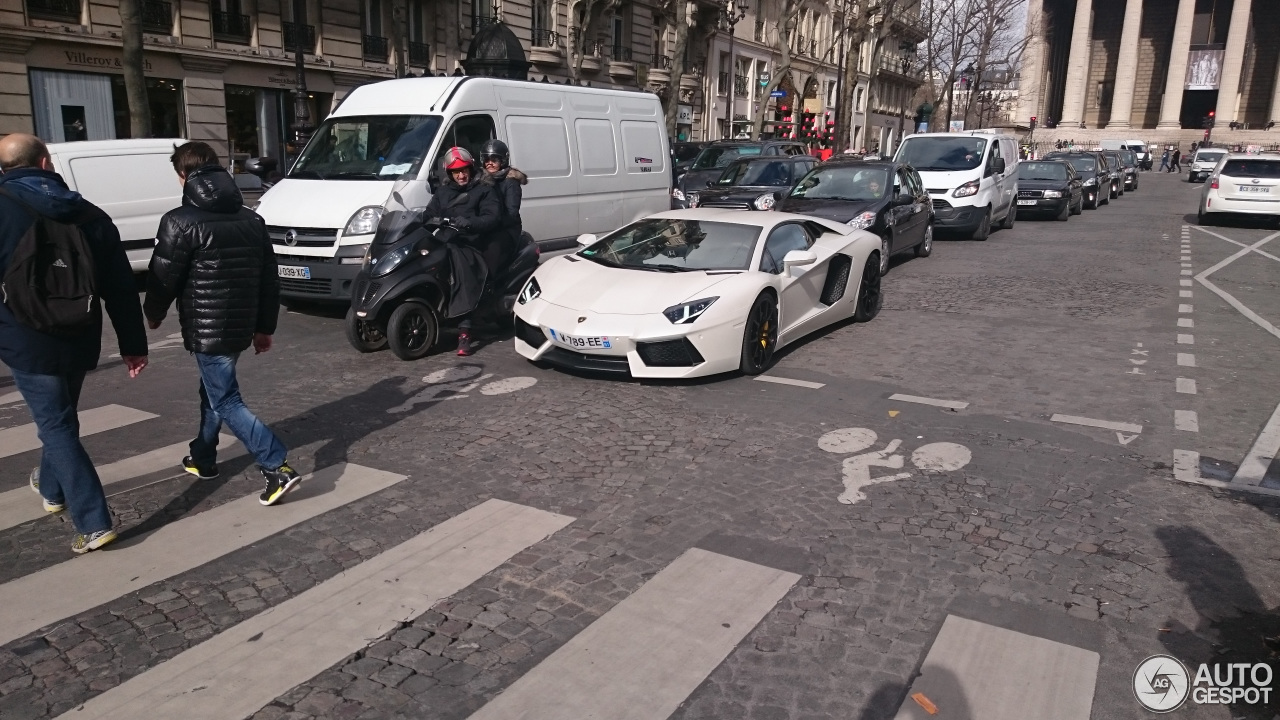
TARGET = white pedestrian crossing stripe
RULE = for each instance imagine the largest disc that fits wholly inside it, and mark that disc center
(644, 657)
(61, 591)
(21, 505)
(10, 398)
(238, 671)
(23, 438)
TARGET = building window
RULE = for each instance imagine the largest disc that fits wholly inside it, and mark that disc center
(58, 10)
(230, 24)
(373, 42)
(543, 31)
(619, 38)
(483, 12)
(293, 32)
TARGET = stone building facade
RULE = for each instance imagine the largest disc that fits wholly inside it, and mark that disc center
(1151, 64)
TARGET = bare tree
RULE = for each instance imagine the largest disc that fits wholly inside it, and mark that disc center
(583, 15)
(135, 79)
(779, 39)
(950, 26)
(677, 17)
(996, 43)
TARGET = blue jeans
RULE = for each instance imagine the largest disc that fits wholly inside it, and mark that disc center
(220, 402)
(66, 472)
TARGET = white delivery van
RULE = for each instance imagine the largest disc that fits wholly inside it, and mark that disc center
(596, 160)
(131, 180)
(1139, 148)
(1202, 165)
(972, 178)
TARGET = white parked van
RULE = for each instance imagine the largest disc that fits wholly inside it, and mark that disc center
(1139, 148)
(972, 178)
(596, 160)
(131, 180)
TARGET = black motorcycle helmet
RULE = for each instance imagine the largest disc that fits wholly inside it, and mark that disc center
(496, 148)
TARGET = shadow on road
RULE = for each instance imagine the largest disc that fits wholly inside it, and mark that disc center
(940, 691)
(1248, 222)
(1235, 625)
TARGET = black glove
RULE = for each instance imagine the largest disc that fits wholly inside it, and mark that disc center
(462, 224)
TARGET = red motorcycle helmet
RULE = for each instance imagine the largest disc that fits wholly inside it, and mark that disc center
(456, 158)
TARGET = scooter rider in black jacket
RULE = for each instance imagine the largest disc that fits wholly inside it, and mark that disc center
(506, 182)
(469, 202)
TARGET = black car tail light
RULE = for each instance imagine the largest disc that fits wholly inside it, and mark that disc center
(532, 336)
(669, 353)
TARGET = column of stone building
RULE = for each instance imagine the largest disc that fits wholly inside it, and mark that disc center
(1275, 98)
(1031, 82)
(15, 87)
(1126, 67)
(1078, 65)
(1171, 104)
(1233, 63)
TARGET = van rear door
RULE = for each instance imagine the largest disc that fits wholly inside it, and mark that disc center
(135, 190)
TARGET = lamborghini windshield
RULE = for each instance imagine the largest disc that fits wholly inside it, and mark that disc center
(675, 245)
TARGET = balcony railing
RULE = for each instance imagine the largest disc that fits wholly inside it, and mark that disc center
(375, 48)
(67, 10)
(291, 37)
(759, 36)
(231, 27)
(739, 84)
(479, 21)
(617, 53)
(545, 38)
(419, 54)
(157, 17)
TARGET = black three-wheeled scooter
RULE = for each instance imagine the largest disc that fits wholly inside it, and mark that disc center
(401, 296)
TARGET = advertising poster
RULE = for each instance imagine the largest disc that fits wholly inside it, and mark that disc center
(1204, 69)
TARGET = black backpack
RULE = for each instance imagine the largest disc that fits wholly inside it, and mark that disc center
(51, 285)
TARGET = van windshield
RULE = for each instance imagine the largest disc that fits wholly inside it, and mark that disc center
(942, 153)
(375, 147)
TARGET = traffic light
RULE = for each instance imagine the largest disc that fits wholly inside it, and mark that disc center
(1208, 120)
(1033, 122)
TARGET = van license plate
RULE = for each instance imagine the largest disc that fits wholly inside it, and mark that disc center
(294, 271)
(582, 343)
(1255, 188)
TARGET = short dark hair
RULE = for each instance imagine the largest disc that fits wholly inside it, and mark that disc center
(191, 156)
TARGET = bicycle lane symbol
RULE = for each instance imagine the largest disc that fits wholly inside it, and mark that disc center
(933, 457)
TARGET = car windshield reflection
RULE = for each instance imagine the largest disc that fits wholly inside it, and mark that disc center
(757, 173)
(843, 183)
(675, 245)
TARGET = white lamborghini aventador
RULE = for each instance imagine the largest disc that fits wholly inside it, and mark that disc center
(689, 293)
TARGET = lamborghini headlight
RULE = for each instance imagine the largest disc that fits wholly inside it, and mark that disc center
(685, 313)
(862, 221)
(531, 290)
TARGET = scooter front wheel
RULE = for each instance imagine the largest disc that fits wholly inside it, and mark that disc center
(413, 330)
(363, 335)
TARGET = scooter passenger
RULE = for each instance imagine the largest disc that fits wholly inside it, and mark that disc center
(506, 182)
(467, 199)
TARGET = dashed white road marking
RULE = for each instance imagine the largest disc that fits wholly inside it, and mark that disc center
(1090, 422)
(1186, 386)
(24, 438)
(952, 404)
(1184, 339)
(1186, 420)
(1184, 271)
(1185, 282)
(1265, 448)
(1185, 308)
(790, 381)
(1186, 322)
(1184, 293)
(1186, 360)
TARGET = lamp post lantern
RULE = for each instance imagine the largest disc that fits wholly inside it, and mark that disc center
(734, 10)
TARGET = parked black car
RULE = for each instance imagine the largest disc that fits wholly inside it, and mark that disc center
(1093, 174)
(1116, 167)
(880, 196)
(1129, 159)
(716, 156)
(682, 156)
(752, 184)
(1050, 187)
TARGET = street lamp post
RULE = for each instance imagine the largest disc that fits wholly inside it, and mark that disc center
(902, 109)
(966, 76)
(301, 114)
(734, 10)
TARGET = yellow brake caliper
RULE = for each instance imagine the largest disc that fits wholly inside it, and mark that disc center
(764, 335)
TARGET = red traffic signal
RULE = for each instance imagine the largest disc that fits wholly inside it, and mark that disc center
(1211, 113)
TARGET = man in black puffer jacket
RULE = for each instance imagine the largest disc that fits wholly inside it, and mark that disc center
(213, 256)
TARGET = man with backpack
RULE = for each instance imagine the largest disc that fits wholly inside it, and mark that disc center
(214, 258)
(61, 260)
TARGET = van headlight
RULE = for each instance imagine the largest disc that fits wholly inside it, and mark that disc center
(531, 290)
(862, 221)
(364, 221)
(764, 202)
(967, 189)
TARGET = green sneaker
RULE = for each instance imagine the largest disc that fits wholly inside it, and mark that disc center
(92, 541)
(49, 507)
(279, 482)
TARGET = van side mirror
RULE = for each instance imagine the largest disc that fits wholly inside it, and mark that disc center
(260, 166)
(586, 239)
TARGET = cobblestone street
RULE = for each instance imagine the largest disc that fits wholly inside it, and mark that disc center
(1011, 442)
